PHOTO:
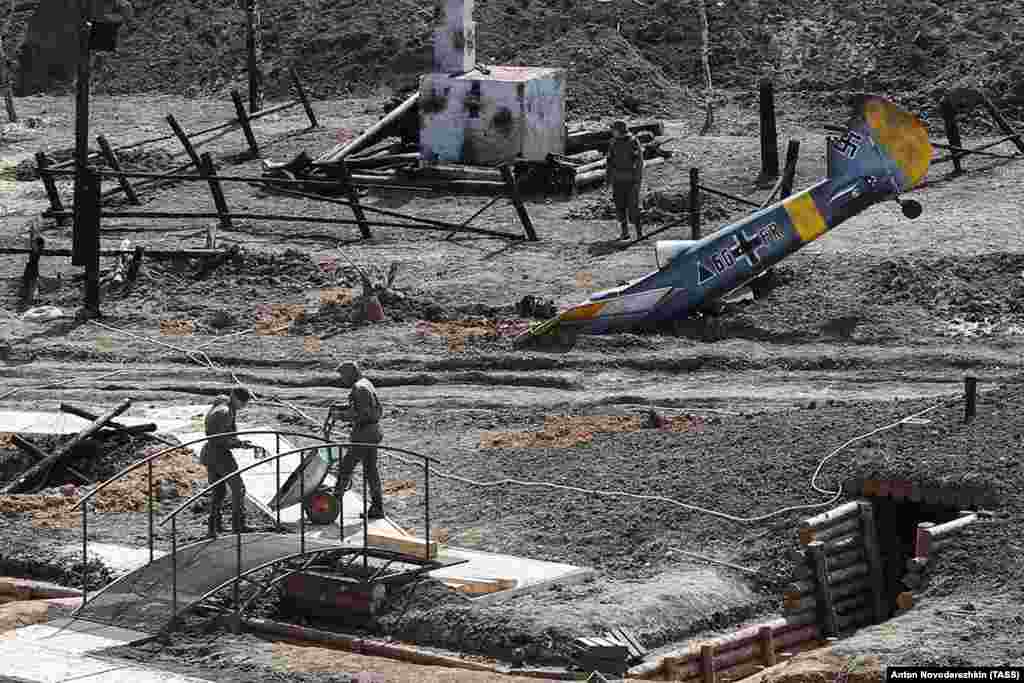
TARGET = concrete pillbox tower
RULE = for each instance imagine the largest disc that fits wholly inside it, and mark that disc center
(473, 116)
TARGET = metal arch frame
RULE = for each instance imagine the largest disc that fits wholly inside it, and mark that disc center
(310, 557)
(172, 517)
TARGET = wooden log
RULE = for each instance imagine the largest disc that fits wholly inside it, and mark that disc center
(857, 618)
(371, 135)
(155, 253)
(30, 276)
(583, 180)
(707, 663)
(384, 160)
(849, 588)
(912, 580)
(186, 143)
(456, 172)
(30, 448)
(20, 482)
(243, 119)
(874, 560)
(769, 135)
(844, 543)
(799, 602)
(853, 602)
(254, 115)
(826, 613)
(789, 170)
(115, 165)
(947, 528)
(852, 572)
(922, 540)
(301, 91)
(753, 653)
(952, 132)
(843, 528)
(404, 544)
(517, 201)
(834, 516)
(43, 163)
(598, 140)
(85, 414)
(207, 169)
(905, 600)
(916, 564)
(767, 642)
(694, 201)
(802, 587)
(345, 178)
(835, 562)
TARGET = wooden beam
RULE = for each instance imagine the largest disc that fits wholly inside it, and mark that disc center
(517, 201)
(20, 482)
(115, 165)
(407, 546)
(301, 91)
(29, 447)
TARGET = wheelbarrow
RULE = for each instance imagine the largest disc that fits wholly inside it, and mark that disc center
(320, 505)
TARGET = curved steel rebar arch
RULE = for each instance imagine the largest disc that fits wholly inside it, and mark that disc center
(309, 556)
(169, 449)
(172, 517)
(148, 461)
(328, 444)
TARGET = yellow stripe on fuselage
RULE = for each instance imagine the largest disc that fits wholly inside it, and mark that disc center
(806, 219)
(581, 312)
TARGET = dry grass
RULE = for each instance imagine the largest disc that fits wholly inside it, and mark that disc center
(7, 440)
(564, 431)
(125, 495)
(177, 328)
(277, 318)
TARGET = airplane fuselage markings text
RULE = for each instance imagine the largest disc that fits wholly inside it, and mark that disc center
(743, 247)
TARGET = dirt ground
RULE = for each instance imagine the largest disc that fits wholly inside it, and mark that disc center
(871, 323)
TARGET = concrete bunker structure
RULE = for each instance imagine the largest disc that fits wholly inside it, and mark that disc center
(487, 116)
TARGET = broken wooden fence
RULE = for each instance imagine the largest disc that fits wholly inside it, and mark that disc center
(108, 154)
(225, 216)
(738, 655)
(838, 578)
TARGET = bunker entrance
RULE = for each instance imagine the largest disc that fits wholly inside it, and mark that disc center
(896, 529)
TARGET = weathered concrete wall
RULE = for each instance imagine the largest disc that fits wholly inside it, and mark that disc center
(511, 113)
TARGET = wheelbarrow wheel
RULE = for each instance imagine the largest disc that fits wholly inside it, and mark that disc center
(322, 508)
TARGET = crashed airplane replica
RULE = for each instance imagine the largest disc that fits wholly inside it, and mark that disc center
(885, 151)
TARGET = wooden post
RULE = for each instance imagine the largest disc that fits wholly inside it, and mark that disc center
(115, 165)
(769, 136)
(874, 559)
(207, 169)
(694, 204)
(304, 98)
(1007, 129)
(42, 163)
(86, 236)
(350, 192)
(707, 663)
(826, 610)
(767, 645)
(183, 139)
(952, 133)
(922, 541)
(243, 120)
(789, 172)
(517, 201)
(254, 48)
(82, 244)
(970, 398)
(30, 278)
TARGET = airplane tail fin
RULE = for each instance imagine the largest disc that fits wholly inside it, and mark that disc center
(882, 139)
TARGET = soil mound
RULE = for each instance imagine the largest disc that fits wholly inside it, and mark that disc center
(606, 74)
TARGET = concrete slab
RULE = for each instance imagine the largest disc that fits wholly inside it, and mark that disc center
(530, 575)
(32, 662)
(74, 636)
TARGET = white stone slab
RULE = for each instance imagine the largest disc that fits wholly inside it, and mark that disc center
(75, 636)
(527, 573)
(33, 662)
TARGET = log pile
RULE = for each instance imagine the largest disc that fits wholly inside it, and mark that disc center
(838, 581)
(376, 159)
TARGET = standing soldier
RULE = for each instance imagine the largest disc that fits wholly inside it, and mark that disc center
(216, 455)
(625, 173)
(364, 412)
